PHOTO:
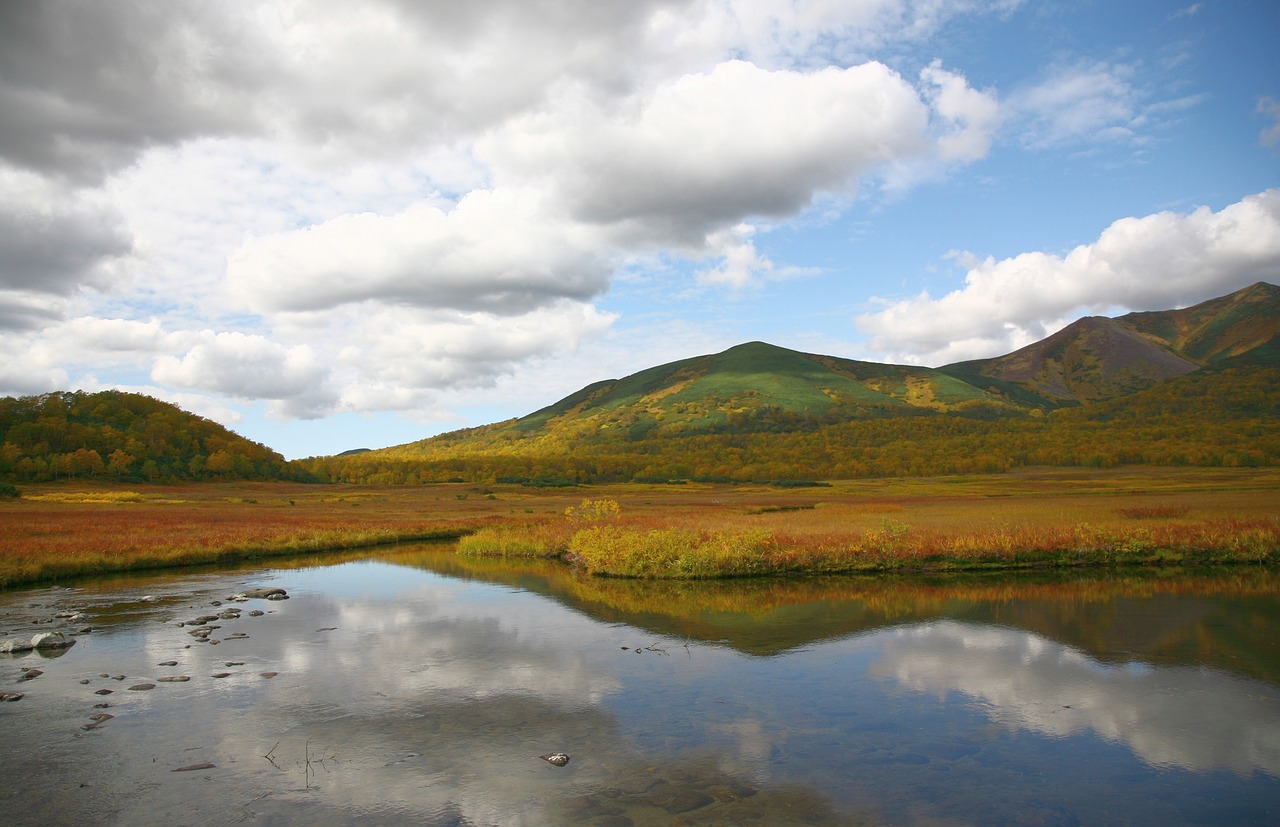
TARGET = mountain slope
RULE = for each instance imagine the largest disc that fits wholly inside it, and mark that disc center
(756, 386)
(1098, 358)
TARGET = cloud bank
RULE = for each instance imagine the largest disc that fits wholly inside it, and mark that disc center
(1150, 263)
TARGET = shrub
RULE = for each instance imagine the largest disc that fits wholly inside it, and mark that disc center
(8, 489)
(593, 511)
(670, 553)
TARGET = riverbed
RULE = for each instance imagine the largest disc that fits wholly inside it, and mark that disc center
(415, 687)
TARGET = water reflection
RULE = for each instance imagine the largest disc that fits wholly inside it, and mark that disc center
(420, 688)
(1195, 719)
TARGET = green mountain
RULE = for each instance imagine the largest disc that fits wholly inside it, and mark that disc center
(1188, 386)
(116, 435)
(760, 387)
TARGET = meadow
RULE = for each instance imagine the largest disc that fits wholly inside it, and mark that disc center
(1032, 517)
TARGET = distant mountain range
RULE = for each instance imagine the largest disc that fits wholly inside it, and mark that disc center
(758, 386)
(1192, 386)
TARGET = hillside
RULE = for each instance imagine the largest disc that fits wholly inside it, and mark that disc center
(1098, 358)
(115, 435)
(1099, 392)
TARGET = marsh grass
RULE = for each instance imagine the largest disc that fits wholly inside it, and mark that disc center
(1033, 518)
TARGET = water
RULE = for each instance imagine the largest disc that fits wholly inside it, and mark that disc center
(421, 688)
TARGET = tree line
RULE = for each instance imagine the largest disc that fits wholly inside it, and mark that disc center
(1223, 418)
(124, 436)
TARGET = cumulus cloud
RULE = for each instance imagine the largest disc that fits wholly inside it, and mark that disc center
(1150, 263)
(707, 150)
(398, 358)
(495, 250)
(251, 367)
(54, 239)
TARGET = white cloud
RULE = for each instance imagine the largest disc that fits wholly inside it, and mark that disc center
(251, 367)
(708, 150)
(739, 263)
(1079, 102)
(972, 117)
(1150, 263)
(496, 250)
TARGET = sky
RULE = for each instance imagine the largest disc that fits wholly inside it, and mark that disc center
(333, 225)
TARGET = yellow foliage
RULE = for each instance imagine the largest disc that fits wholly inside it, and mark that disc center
(594, 511)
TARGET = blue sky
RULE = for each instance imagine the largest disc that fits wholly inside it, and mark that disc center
(330, 226)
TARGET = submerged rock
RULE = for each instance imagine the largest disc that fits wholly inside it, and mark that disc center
(51, 640)
(267, 593)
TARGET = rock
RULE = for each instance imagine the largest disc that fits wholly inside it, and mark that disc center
(31, 674)
(557, 758)
(256, 613)
(194, 767)
(267, 593)
(174, 679)
(684, 801)
(84, 680)
(10, 696)
(234, 663)
(167, 663)
(148, 598)
(102, 692)
(117, 677)
(220, 674)
(14, 646)
(142, 687)
(98, 720)
(268, 674)
(51, 640)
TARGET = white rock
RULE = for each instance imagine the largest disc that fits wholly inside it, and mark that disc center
(51, 640)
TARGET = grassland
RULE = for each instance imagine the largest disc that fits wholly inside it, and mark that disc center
(1025, 518)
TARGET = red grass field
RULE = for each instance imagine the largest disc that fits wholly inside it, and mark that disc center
(1027, 517)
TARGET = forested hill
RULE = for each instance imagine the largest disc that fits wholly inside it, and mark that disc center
(1099, 392)
(124, 436)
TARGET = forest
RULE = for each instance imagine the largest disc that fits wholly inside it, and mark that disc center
(124, 436)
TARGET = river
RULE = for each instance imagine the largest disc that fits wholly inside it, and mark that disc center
(418, 687)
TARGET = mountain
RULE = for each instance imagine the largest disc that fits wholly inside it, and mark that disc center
(760, 387)
(1188, 386)
(116, 435)
(1098, 358)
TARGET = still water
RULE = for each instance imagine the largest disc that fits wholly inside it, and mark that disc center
(421, 688)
